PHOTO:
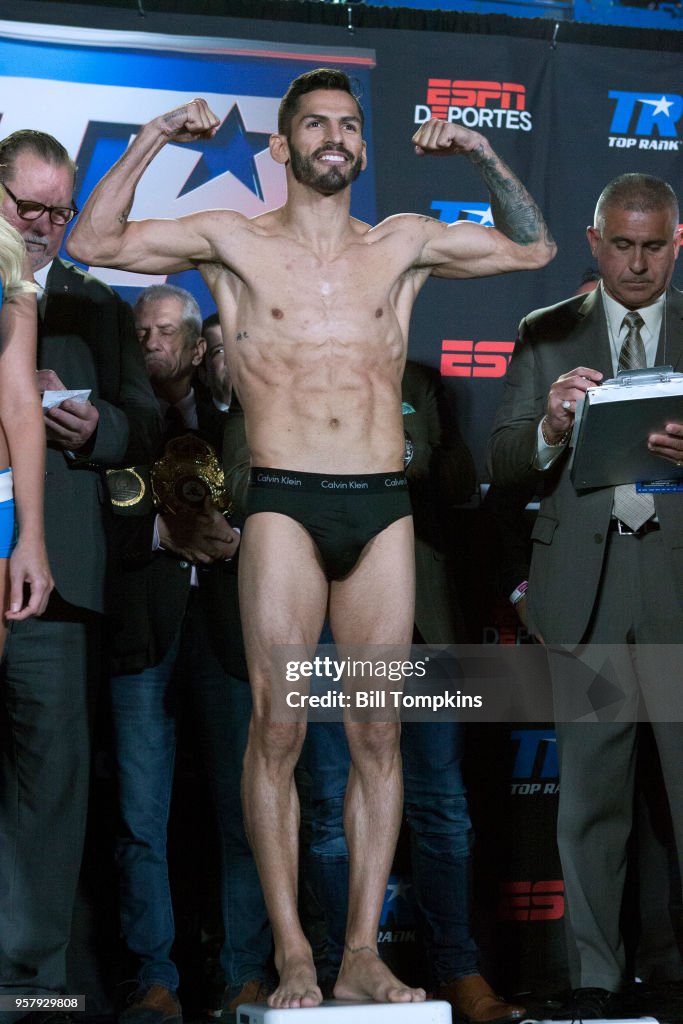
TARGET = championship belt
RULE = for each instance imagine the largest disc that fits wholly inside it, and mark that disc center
(127, 487)
(187, 474)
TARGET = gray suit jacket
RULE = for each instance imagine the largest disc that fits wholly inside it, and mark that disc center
(570, 532)
(86, 336)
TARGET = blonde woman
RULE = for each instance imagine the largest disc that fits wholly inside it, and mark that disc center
(25, 580)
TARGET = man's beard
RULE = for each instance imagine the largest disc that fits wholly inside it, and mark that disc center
(335, 178)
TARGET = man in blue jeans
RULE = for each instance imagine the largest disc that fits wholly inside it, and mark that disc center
(179, 655)
(440, 474)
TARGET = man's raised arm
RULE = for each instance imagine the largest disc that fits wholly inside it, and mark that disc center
(520, 239)
(103, 236)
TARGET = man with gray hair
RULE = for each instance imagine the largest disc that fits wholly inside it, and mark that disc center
(177, 644)
(607, 564)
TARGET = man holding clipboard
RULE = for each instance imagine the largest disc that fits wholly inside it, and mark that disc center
(607, 565)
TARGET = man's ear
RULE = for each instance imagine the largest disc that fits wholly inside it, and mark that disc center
(593, 236)
(279, 148)
(364, 158)
(199, 350)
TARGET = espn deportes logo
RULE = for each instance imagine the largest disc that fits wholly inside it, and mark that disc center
(639, 116)
(476, 104)
(531, 901)
(466, 358)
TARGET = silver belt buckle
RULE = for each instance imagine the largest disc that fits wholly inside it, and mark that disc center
(624, 530)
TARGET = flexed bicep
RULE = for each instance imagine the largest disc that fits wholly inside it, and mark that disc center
(465, 249)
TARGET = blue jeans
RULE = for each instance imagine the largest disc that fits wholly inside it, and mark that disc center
(145, 711)
(436, 813)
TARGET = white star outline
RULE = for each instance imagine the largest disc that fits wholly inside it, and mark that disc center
(398, 890)
(661, 106)
(484, 217)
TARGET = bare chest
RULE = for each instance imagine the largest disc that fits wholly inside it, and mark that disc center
(311, 293)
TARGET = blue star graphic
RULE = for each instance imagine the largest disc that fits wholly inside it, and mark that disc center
(232, 149)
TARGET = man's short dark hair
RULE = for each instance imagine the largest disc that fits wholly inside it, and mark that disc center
(319, 78)
(640, 192)
(212, 320)
(40, 144)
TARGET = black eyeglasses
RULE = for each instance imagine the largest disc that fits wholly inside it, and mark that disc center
(29, 209)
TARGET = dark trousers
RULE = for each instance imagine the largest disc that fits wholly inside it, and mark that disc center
(633, 647)
(44, 771)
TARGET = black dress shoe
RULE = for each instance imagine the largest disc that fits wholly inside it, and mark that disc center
(589, 1004)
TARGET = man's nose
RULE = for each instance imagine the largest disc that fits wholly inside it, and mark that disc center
(334, 134)
(147, 340)
(638, 260)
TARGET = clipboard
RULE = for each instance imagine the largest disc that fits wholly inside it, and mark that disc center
(613, 423)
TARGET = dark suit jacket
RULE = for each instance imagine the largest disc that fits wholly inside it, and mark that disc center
(152, 588)
(570, 532)
(440, 475)
(86, 336)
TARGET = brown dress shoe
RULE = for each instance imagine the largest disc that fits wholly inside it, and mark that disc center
(473, 1000)
(253, 991)
(152, 1004)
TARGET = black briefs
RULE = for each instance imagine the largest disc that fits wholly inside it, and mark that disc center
(341, 513)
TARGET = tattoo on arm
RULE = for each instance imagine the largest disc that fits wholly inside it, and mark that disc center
(122, 217)
(514, 211)
(173, 115)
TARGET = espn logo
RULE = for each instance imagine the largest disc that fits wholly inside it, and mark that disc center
(443, 93)
(475, 358)
(531, 901)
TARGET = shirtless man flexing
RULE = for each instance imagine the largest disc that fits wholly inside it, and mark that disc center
(315, 307)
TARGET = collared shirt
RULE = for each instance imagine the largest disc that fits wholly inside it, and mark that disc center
(40, 277)
(617, 330)
(187, 407)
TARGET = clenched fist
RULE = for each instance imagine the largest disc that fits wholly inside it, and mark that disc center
(194, 120)
(440, 138)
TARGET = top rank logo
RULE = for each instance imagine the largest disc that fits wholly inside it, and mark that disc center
(476, 104)
(645, 119)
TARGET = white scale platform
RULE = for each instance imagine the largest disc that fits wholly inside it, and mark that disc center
(335, 1012)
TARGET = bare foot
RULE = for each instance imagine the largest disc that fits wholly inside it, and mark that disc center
(364, 976)
(298, 985)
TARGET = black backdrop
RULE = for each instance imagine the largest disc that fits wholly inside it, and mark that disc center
(595, 103)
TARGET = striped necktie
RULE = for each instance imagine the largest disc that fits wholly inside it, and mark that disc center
(630, 507)
(632, 354)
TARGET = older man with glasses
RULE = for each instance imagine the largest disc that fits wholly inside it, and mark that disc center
(86, 342)
(30, 209)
